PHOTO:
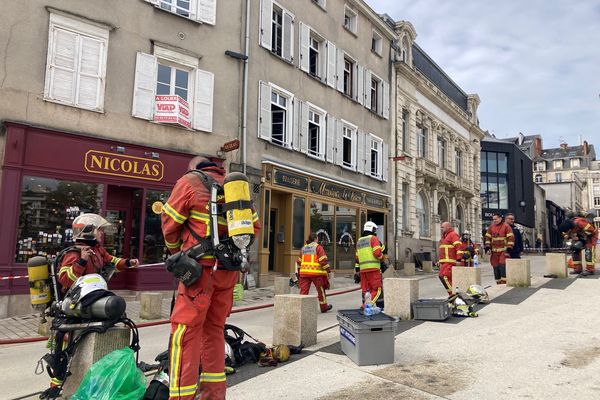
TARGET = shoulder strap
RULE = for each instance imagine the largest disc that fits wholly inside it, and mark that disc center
(206, 179)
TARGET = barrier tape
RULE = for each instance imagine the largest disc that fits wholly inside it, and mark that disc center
(7, 278)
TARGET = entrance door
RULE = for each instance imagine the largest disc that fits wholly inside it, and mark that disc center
(272, 229)
(123, 211)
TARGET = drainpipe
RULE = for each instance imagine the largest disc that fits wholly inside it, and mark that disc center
(245, 89)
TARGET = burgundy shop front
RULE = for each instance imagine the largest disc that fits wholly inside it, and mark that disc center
(49, 177)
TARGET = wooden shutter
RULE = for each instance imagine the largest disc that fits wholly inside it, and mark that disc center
(386, 101)
(296, 125)
(90, 92)
(340, 70)
(385, 160)
(304, 39)
(360, 159)
(331, 64)
(207, 11)
(203, 101)
(360, 84)
(339, 142)
(288, 36)
(368, 89)
(266, 16)
(303, 127)
(331, 129)
(144, 86)
(264, 116)
(62, 64)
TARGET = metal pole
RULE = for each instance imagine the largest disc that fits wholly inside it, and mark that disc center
(245, 89)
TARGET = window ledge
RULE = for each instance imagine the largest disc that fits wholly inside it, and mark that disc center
(290, 62)
(316, 157)
(377, 53)
(350, 31)
(353, 169)
(178, 15)
(375, 113)
(316, 78)
(62, 103)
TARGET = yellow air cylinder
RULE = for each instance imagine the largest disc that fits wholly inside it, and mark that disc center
(237, 193)
(39, 282)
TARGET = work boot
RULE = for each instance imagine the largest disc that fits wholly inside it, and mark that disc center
(329, 307)
(575, 272)
(51, 393)
(586, 273)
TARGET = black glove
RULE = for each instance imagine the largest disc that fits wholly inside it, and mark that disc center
(383, 266)
(356, 278)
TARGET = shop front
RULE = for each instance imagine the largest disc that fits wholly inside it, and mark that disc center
(49, 178)
(295, 203)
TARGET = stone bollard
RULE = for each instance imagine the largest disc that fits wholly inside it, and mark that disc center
(295, 319)
(556, 263)
(400, 293)
(150, 305)
(282, 285)
(93, 347)
(463, 277)
(409, 269)
(518, 272)
(427, 266)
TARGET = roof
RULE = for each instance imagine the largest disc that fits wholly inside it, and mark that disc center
(568, 152)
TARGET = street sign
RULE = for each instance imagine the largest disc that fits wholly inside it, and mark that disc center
(399, 158)
(231, 145)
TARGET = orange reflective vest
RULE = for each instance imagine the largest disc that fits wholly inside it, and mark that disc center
(499, 238)
(448, 246)
(313, 260)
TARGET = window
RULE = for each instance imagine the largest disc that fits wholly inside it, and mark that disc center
(277, 30)
(350, 19)
(345, 236)
(349, 146)
(458, 160)
(557, 164)
(494, 180)
(405, 131)
(275, 119)
(575, 163)
(538, 178)
(441, 153)
(315, 52)
(169, 73)
(316, 131)
(422, 209)
(421, 141)
(404, 52)
(558, 177)
(181, 7)
(405, 195)
(374, 94)
(376, 43)
(298, 223)
(279, 118)
(596, 201)
(349, 66)
(540, 166)
(313, 57)
(204, 11)
(76, 63)
(376, 156)
(320, 3)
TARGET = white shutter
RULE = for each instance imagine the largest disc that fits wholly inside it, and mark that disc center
(203, 101)
(90, 92)
(331, 65)
(304, 39)
(322, 136)
(207, 11)
(385, 159)
(266, 16)
(331, 129)
(289, 120)
(386, 100)
(62, 59)
(360, 84)
(368, 89)
(296, 125)
(360, 162)
(264, 116)
(288, 36)
(144, 88)
(339, 136)
(340, 70)
(304, 127)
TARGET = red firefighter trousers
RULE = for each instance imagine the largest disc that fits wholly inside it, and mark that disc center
(445, 276)
(197, 338)
(370, 281)
(320, 282)
(498, 261)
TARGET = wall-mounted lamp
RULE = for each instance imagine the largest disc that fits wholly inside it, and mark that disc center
(152, 154)
(522, 203)
(118, 149)
(236, 55)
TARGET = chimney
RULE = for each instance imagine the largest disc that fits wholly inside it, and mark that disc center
(538, 147)
(586, 148)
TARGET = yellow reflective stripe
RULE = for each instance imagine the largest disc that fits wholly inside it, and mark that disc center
(254, 217)
(176, 356)
(69, 270)
(456, 243)
(446, 246)
(170, 211)
(499, 250)
(323, 295)
(488, 234)
(322, 258)
(212, 377)
(200, 216)
(376, 248)
(509, 234)
(175, 245)
(115, 260)
(182, 391)
(374, 299)
(447, 260)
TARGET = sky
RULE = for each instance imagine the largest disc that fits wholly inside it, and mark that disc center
(535, 64)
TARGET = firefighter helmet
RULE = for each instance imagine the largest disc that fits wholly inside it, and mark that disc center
(86, 226)
(84, 285)
(478, 292)
(370, 226)
(281, 352)
(466, 235)
(566, 225)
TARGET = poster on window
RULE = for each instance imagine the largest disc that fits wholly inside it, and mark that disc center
(172, 110)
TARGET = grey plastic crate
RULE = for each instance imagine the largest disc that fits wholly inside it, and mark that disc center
(367, 340)
(431, 309)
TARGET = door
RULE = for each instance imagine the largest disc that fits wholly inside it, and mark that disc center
(272, 229)
(123, 211)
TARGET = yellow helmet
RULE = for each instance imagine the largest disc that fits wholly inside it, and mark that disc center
(281, 352)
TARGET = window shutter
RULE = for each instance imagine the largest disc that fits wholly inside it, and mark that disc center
(91, 74)
(289, 120)
(360, 84)
(385, 159)
(360, 162)
(266, 15)
(62, 58)
(367, 88)
(331, 129)
(264, 118)
(339, 135)
(331, 65)
(386, 101)
(144, 88)
(304, 39)
(203, 101)
(207, 11)
(304, 128)
(296, 125)
(288, 36)
(340, 70)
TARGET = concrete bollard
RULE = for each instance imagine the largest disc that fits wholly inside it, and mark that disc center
(295, 319)
(518, 272)
(282, 285)
(463, 277)
(400, 293)
(150, 305)
(331, 283)
(92, 348)
(427, 266)
(409, 269)
(556, 263)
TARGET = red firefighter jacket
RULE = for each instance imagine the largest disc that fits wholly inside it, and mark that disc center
(313, 260)
(499, 238)
(462, 249)
(187, 208)
(72, 266)
(583, 226)
(448, 247)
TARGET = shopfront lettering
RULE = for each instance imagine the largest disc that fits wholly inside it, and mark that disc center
(344, 193)
(99, 162)
(291, 180)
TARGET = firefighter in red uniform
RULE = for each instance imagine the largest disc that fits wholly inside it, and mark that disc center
(369, 254)
(314, 268)
(581, 231)
(466, 250)
(449, 245)
(499, 239)
(200, 311)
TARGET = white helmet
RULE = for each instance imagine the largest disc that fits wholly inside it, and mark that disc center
(85, 285)
(86, 226)
(370, 226)
(478, 292)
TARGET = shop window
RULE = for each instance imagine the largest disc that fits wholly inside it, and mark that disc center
(346, 236)
(321, 223)
(48, 207)
(298, 238)
(153, 247)
(204, 11)
(277, 30)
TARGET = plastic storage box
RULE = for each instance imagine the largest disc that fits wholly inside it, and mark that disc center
(367, 340)
(431, 309)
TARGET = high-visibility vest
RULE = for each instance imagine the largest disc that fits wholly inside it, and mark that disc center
(310, 263)
(364, 252)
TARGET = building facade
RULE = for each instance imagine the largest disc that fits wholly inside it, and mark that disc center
(437, 144)
(593, 184)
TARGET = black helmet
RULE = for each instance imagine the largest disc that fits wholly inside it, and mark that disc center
(566, 225)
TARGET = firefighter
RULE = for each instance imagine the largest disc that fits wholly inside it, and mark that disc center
(582, 231)
(314, 268)
(369, 255)
(466, 250)
(449, 245)
(87, 256)
(499, 241)
(200, 311)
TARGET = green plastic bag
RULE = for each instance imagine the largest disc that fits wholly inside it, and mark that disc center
(113, 377)
(238, 292)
